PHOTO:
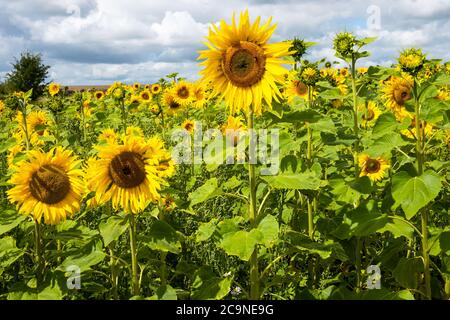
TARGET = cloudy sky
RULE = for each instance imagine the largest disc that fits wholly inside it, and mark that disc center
(100, 41)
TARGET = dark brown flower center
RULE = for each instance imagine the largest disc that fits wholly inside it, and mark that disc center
(244, 64)
(183, 92)
(99, 95)
(402, 94)
(300, 88)
(373, 166)
(127, 170)
(188, 126)
(50, 184)
(369, 115)
(145, 96)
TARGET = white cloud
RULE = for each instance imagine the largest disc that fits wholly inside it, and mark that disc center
(88, 41)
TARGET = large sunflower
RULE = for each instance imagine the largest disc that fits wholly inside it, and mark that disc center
(172, 106)
(370, 115)
(183, 93)
(130, 174)
(374, 168)
(242, 66)
(47, 185)
(396, 92)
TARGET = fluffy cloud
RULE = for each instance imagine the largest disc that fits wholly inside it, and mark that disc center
(98, 41)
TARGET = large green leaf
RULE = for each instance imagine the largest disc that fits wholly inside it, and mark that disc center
(385, 144)
(9, 253)
(9, 219)
(407, 271)
(413, 193)
(83, 259)
(385, 124)
(325, 250)
(207, 285)
(301, 181)
(269, 230)
(164, 293)
(241, 243)
(162, 237)
(111, 229)
(207, 191)
(205, 230)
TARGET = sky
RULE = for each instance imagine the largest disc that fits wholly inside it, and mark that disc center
(90, 42)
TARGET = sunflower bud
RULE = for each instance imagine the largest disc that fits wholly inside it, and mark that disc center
(344, 43)
(309, 74)
(299, 48)
(411, 60)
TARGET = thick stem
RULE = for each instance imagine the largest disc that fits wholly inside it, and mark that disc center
(355, 118)
(424, 212)
(358, 263)
(37, 250)
(134, 265)
(114, 276)
(254, 273)
(163, 274)
(310, 219)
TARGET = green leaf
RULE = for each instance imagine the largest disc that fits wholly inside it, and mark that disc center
(301, 181)
(241, 243)
(111, 229)
(8, 144)
(309, 116)
(325, 250)
(207, 286)
(164, 293)
(205, 230)
(83, 259)
(361, 224)
(9, 219)
(9, 253)
(398, 228)
(413, 193)
(385, 144)
(407, 272)
(442, 80)
(162, 237)
(269, 230)
(386, 124)
(207, 191)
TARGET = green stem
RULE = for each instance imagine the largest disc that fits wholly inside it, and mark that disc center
(163, 275)
(254, 273)
(355, 118)
(114, 277)
(134, 264)
(358, 263)
(424, 212)
(37, 250)
(310, 219)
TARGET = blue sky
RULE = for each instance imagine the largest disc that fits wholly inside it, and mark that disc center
(101, 41)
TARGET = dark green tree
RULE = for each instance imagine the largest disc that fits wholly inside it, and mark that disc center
(28, 72)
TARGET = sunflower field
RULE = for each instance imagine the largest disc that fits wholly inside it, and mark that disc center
(95, 204)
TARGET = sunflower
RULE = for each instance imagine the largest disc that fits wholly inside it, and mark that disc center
(13, 152)
(370, 115)
(167, 203)
(362, 71)
(242, 66)
(199, 95)
(135, 131)
(146, 96)
(447, 139)
(295, 88)
(183, 93)
(2, 107)
(37, 123)
(130, 174)
(99, 95)
(53, 88)
(154, 108)
(411, 132)
(108, 136)
(374, 168)
(155, 88)
(136, 85)
(173, 107)
(188, 125)
(47, 185)
(344, 72)
(396, 92)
